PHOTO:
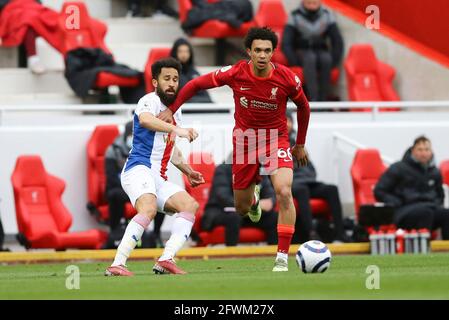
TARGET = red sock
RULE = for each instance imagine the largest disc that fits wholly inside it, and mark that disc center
(285, 234)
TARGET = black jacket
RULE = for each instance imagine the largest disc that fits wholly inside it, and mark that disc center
(221, 194)
(83, 65)
(115, 158)
(311, 30)
(188, 72)
(3, 3)
(233, 12)
(407, 182)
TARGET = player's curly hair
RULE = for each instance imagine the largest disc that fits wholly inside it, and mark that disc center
(164, 63)
(263, 33)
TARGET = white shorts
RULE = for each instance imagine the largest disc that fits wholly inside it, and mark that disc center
(140, 180)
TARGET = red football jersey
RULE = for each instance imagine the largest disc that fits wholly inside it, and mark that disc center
(260, 102)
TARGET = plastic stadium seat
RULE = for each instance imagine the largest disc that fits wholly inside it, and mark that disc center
(204, 163)
(444, 168)
(272, 13)
(89, 34)
(101, 138)
(106, 79)
(215, 29)
(42, 218)
(154, 55)
(368, 78)
(366, 169)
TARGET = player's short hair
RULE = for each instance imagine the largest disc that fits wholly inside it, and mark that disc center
(164, 63)
(420, 139)
(263, 33)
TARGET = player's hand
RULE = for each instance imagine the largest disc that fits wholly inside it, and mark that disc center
(195, 178)
(188, 133)
(300, 153)
(166, 115)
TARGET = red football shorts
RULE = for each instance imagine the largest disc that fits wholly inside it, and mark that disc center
(258, 153)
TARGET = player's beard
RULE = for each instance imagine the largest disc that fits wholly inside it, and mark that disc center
(166, 99)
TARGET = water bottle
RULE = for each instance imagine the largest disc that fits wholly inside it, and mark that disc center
(424, 238)
(408, 245)
(373, 238)
(391, 244)
(415, 241)
(400, 241)
(382, 243)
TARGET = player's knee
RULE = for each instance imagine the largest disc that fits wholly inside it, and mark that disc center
(284, 196)
(146, 207)
(188, 205)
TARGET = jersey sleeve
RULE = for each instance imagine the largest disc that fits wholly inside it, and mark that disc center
(295, 85)
(224, 76)
(178, 118)
(146, 104)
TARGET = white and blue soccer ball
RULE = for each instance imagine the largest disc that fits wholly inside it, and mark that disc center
(313, 257)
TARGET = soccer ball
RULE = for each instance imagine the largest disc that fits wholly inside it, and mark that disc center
(313, 256)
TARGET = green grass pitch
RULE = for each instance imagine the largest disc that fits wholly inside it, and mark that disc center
(401, 277)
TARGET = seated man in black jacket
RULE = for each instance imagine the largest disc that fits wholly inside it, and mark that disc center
(304, 187)
(220, 211)
(309, 31)
(414, 187)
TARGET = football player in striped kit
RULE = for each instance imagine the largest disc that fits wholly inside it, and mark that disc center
(144, 176)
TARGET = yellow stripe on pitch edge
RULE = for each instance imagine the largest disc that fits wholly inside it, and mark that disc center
(197, 252)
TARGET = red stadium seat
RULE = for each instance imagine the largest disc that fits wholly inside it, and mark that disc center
(204, 163)
(215, 29)
(366, 169)
(106, 79)
(154, 55)
(271, 13)
(368, 78)
(42, 218)
(444, 168)
(101, 138)
(90, 33)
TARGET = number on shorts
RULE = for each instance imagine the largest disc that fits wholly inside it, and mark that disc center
(282, 153)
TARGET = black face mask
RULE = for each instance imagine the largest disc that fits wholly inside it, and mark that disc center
(166, 99)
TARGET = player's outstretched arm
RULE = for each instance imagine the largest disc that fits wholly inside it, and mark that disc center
(302, 116)
(195, 178)
(188, 91)
(149, 121)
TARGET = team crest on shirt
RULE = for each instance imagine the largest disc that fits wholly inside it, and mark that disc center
(224, 69)
(298, 82)
(274, 91)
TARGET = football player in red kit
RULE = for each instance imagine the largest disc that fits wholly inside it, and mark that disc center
(260, 138)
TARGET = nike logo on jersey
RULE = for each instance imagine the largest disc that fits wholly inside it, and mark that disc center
(244, 89)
